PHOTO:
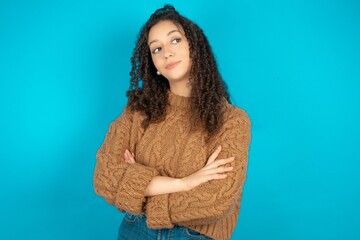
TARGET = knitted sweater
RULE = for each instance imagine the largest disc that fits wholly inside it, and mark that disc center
(168, 148)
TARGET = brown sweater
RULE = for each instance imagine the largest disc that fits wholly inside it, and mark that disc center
(169, 149)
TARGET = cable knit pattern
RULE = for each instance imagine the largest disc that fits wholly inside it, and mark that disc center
(120, 183)
(169, 148)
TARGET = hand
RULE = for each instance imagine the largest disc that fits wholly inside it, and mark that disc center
(212, 170)
(129, 157)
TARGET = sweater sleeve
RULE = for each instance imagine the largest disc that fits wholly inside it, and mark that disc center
(119, 183)
(213, 200)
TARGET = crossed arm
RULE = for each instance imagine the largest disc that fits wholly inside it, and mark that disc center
(194, 199)
(163, 185)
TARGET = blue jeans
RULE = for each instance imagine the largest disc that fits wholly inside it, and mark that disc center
(133, 227)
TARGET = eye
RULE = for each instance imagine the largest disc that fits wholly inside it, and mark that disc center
(176, 40)
(156, 50)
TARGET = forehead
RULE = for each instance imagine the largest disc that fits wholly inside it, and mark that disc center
(161, 29)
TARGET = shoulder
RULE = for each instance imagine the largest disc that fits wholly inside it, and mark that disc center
(236, 127)
(128, 117)
(236, 115)
(235, 122)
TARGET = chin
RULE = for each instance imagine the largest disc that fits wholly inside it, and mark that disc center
(177, 77)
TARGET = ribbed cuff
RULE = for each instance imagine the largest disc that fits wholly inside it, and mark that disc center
(131, 193)
(157, 212)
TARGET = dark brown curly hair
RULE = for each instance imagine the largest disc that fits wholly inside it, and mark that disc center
(148, 91)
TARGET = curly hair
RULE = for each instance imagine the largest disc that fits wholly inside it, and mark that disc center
(148, 91)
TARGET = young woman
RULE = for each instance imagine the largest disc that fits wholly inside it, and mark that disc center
(175, 160)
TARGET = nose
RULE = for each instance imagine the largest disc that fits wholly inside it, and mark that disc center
(168, 52)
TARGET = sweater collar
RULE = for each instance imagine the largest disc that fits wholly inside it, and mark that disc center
(178, 101)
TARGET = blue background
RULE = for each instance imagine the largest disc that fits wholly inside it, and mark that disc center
(294, 66)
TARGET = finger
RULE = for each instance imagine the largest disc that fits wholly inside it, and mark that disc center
(224, 169)
(219, 170)
(214, 155)
(130, 156)
(216, 176)
(220, 176)
(127, 157)
(127, 160)
(223, 161)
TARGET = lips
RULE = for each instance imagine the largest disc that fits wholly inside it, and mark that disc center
(171, 65)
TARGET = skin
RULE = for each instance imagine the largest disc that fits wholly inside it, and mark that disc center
(168, 44)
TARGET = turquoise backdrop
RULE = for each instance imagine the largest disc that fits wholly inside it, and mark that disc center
(294, 66)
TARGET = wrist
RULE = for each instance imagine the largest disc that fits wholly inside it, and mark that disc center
(182, 184)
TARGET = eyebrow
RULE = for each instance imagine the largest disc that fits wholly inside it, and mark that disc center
(172, 31)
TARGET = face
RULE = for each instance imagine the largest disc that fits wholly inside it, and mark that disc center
(169, 50)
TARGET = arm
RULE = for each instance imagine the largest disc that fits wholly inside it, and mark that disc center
(121, 184)
(212, 200)
(163, 184)
(159, 184)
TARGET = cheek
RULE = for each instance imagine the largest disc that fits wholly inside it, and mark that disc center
(156, 61)
(186, 52)
(187, 55)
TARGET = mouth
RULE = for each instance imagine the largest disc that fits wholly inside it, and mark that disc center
(172, 65)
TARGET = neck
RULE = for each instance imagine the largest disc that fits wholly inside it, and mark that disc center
(181, 88)
(177, 101)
